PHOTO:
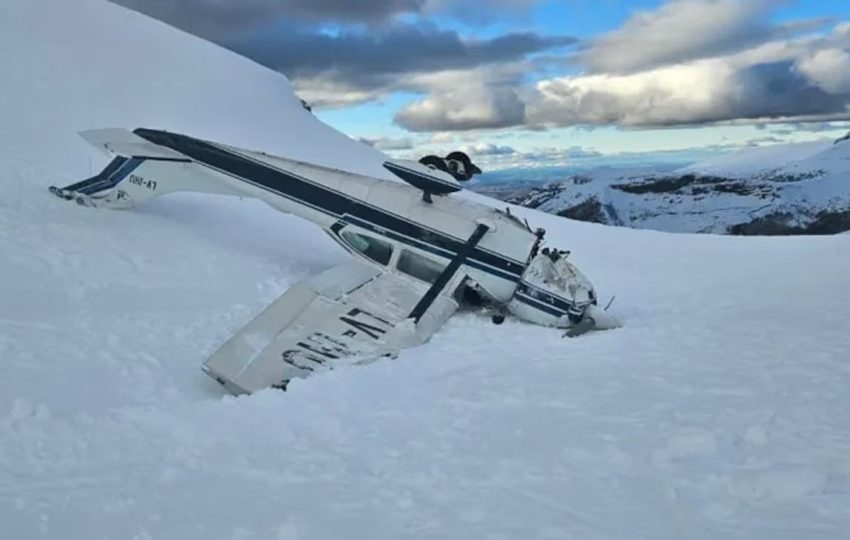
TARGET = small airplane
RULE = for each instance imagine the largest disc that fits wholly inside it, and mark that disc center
(418, 253)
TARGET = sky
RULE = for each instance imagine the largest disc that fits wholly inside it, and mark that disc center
(548, 82)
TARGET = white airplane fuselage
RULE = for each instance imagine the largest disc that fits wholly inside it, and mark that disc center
(374, 219)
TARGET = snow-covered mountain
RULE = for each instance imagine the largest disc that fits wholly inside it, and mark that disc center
(799, 188)
(720, 410)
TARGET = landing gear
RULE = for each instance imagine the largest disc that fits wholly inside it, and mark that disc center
(435, 162)
(456, 164)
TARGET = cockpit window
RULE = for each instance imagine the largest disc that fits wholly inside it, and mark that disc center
(419, 267)
(379, 251)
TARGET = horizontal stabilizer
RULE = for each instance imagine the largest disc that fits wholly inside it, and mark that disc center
(122, 142)
(141, 170)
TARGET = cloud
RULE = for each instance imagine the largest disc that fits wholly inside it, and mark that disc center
(365, 64)
(549, 154)
(481, 11)
(685, 30)
(388, 143)
(789, 80)
(810, 127)
(828, 68)
(487, 149)
(370, 49)
(688, 62)
(220, 19)
(803, 79)
(491, 157)
(442, 137)
(464, 108)
(216, 19)
(700, 92)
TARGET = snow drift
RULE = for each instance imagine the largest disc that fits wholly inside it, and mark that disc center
(719, 411)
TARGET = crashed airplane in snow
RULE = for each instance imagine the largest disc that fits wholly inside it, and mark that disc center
(419, 254)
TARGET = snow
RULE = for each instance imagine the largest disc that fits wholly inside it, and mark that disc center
(761, 159)
(720, 409)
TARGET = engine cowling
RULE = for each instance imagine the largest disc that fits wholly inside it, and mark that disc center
(552, 292)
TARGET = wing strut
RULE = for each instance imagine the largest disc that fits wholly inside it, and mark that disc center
(448, 273)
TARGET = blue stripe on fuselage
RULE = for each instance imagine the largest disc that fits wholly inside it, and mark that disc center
(332, 202)
(537, 304)
(544, 296)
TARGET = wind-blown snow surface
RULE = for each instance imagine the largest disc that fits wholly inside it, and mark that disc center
(720, 410)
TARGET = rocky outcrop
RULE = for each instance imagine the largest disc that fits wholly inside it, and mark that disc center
(782, 224)
(590, 210)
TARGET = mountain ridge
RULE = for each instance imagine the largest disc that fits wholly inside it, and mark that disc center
(787, 189)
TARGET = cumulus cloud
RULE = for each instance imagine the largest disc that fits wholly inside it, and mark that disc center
(684, 62)
(684, 30)
(388, 143)
(442, 137)
(375, 48)
(378, 59)
(217, 19)
(484, 98)
(828, 68)
(699, 92)
(487, 149)
(468, 107)
(804, 78)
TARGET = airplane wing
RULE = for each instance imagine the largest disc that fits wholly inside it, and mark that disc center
(350, 314)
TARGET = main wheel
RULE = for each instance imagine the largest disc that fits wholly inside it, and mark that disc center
(460, 156)
(469, 169)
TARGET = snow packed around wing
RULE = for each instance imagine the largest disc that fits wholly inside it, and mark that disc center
(719, 410)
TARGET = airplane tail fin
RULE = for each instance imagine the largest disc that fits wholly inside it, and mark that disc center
(140, 170)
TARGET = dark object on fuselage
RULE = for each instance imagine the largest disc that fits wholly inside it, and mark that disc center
(456, 164)
(435, 162)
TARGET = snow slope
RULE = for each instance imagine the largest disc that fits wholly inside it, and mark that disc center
(719, 411)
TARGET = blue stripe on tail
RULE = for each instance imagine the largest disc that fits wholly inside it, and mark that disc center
(114, 179)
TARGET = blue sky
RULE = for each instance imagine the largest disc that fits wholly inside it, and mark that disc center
(551, 82)
(587, 19)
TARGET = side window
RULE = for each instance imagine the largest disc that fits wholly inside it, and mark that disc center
(419, 267)
(377, 250)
